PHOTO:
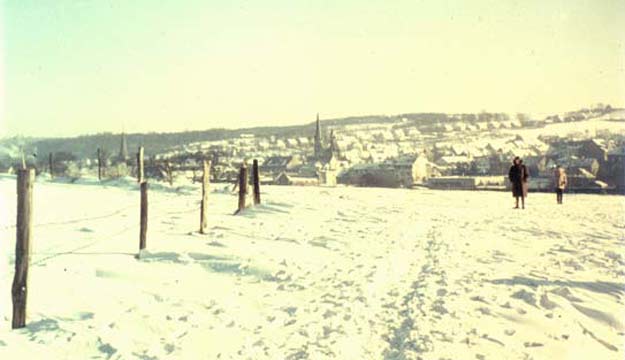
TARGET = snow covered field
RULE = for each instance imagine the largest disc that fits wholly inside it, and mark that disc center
(316, 273)
(612, 123)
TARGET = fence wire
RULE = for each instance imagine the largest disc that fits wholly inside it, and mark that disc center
(102, 238)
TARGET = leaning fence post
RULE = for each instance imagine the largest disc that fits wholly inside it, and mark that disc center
(169, 172)
(242, 187)
(140, 165)
(205, 179)
(50, 165)
(256, 182)
(99, 164)
(19, 290)
(143, 230)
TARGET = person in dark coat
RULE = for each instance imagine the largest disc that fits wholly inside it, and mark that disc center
(518, 176)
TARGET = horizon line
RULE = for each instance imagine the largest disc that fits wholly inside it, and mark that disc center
(540, 115)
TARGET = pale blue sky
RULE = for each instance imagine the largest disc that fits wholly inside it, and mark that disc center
(74, 67)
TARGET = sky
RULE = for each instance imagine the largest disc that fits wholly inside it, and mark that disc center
(73, 67)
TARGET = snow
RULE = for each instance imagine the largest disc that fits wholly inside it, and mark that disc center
(590, 127)
(315, 273)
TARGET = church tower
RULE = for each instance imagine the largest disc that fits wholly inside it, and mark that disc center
(334, 148)
(318, 145)
(123, 148)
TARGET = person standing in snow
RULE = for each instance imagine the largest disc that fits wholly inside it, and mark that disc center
(518, 176)
(560, 182)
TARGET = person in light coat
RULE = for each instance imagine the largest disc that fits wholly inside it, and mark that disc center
(560, 181)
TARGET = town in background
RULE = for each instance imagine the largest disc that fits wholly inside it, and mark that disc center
(436, 150)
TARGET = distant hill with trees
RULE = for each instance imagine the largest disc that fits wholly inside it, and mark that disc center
(85, 146)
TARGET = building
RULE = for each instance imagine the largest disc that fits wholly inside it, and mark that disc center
(595, 149)
(123, 149)
(121, 164)
(277, 164)
(6, 168)
(410, 169)
(481, 165)
(327, 176)
(615, 166)
(585, 149)
(318, 147)
(369, 175)
(588, 164)
(322, 153)
(292, 179)
(537, 166)
(452, 183)
(405, 171)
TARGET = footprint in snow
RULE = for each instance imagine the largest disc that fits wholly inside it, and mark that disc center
(215, 243)
(546, 303)
(526, 296)
(291, 310)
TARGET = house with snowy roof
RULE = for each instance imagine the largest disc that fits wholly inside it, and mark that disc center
(278, 164)
(614, 171)
(482, 126)
(285, 178)
(402, 171)
(494, 125)
(587, 164)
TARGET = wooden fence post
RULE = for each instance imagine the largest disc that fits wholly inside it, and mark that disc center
(255, 175)
(51, 165)
(140, 177)
(242, 187)
(205, 180)
(19, 290)
(23, 160)
(169, 172)
(99, 164)
(143, 230)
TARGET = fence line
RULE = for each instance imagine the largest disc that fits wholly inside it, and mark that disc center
(24, 226)
(188, 210)
(111, 236)
(104, 237)
(73, 221)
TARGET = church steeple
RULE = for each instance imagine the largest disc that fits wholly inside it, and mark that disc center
(334, 148)
(123, 148)
(318, 145)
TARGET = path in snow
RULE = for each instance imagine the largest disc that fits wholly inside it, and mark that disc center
(314, 273)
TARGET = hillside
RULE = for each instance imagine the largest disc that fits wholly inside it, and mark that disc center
(85, 146)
